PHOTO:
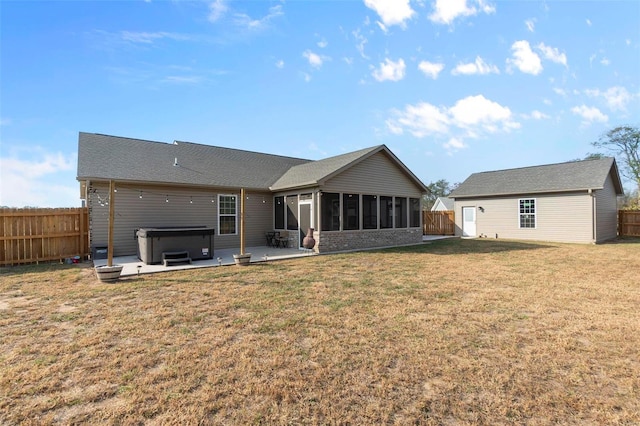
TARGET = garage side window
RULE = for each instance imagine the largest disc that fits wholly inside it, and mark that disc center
(227, 214)
(527, 213)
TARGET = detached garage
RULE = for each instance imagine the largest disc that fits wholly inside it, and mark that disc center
(567, 202)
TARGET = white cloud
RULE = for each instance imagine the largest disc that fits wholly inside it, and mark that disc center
(179, 79)
(589, 114)
(479, 111)
(477, 67)
(31, 182)
(605, 62)
(306, 76)
(314, 59)
(536, 115)
(430, 69)
(280, 64)
(552, 54)
(150, 38)
(390, 70)
(588, 21)
(454, 144)
(524, 58)
(244, 20)
(446, 11)
(531, 24)
(617, 97)
(420, 120)
(392, 12)
(559, 91)
(470, 117)
(361, 41)
(217, 9)
(322, 44)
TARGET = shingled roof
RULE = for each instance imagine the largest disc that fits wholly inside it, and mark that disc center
(104, 157)
(315, 172)
(125, 159)
(561, 177)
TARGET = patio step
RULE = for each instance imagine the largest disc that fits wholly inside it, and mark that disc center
(175, 257)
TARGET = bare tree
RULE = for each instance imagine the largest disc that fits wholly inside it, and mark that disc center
(624, 143)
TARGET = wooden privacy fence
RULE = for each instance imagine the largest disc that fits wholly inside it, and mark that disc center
(38, 235)
(438, 223)
(629, 223)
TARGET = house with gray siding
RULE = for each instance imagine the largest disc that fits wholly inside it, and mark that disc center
(362, 199)
(572, 202)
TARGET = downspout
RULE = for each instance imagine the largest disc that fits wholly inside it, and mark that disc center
(594, 229)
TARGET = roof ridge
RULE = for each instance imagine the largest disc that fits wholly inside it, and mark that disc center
(125, 137)
(545, 165)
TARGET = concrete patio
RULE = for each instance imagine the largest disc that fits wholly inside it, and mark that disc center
(221, 257)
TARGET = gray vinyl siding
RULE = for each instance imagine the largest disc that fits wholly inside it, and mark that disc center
(132, 212)
(375, 175)
(606, 212)
(559, 217)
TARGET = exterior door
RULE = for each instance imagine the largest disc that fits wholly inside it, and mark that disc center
(468, 221)
(305, 221)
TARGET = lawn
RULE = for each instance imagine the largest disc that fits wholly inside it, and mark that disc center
(452, 332)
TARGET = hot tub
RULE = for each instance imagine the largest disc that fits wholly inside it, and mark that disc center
(152, 242)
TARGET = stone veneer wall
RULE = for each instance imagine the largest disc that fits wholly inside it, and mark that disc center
(329, 241)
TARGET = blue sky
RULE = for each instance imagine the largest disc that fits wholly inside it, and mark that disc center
(452, 87)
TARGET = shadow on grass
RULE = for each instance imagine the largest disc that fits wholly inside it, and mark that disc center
(42, 267)
(624, 240)
(464, 246)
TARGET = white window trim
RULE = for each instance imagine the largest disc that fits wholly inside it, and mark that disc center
(535, 213)
(228, 215)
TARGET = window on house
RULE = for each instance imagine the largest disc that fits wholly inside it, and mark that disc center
(278, 212)
(227, 214)
(350, 211)
(386, 212)
(330, 211)
(414, 215)
(527, 213)
(292, 212)
(401, 212)
(369, 212)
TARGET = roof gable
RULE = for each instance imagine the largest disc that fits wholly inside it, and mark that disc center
(561, 177)
(316, 173)
(446, 202)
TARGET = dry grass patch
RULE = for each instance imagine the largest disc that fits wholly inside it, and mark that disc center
(453, 332)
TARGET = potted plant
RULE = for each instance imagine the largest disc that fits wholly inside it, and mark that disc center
(242, 259)
(108, 273)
